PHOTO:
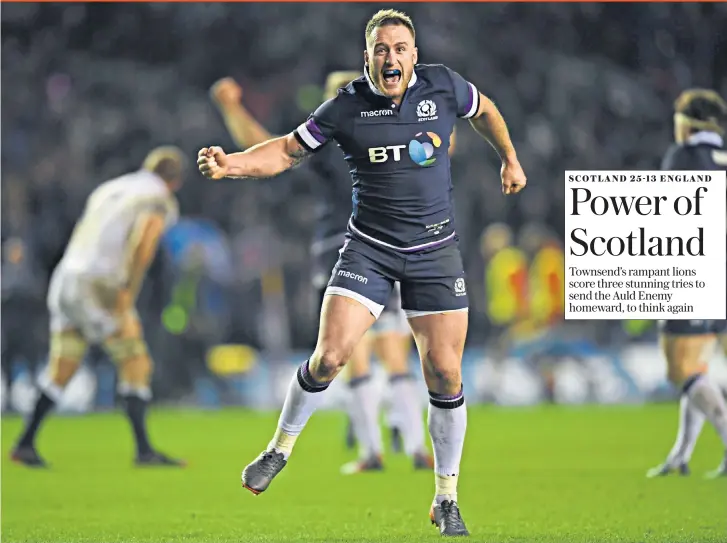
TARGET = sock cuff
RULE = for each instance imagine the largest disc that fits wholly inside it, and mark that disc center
(127, 389)
(307, 382)
(357, 381)
(398, 377)
(689, 383)
(444, 401)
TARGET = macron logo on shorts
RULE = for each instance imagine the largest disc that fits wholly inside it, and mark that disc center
(359, 278)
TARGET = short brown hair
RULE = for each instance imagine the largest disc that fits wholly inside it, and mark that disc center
(385, 17)
(167, 162)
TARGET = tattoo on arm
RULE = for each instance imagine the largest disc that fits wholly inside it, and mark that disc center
(297, 156)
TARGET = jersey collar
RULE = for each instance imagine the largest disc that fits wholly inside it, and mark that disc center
(376, 91)
(705, 137)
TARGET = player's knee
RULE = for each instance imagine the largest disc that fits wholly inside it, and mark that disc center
(327, 362)
(121, 349)
(447, 378)
(443, 365)
(132, 358)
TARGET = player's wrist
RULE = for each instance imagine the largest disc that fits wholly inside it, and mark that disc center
(509, 158)
(227, 171)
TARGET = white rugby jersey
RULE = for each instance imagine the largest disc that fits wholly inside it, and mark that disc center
(100, 243)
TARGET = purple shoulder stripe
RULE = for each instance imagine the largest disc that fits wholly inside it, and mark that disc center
(315, 131)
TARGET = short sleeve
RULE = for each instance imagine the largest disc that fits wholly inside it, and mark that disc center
(320, 126)
(466, 95)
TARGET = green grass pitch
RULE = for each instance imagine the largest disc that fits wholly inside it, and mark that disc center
(549, 474)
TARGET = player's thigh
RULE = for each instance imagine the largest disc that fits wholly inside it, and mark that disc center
(68, 344)
(440, 337)
(344, 321)
(86, 304)
(434, 298)
(357, 291)
(687, 347)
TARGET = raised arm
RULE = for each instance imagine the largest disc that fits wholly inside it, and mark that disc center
(487, 121)
(266, 159)
(489, 124)
(245, 130)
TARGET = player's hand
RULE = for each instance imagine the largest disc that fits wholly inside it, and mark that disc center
(226, 92)
(212, 162)
(513, 177)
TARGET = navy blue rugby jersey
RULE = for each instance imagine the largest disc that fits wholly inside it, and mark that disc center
(397, 155)
(702, 151)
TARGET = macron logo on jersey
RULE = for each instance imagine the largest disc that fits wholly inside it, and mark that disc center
(377, 113)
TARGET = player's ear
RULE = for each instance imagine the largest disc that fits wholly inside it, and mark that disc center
(415, 56)
(366, 57)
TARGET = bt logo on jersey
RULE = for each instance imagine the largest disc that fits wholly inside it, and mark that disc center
(421, 150)
(381, 154)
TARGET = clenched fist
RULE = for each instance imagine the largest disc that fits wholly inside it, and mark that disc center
(226, 92)
(513, 177)
(212, 162)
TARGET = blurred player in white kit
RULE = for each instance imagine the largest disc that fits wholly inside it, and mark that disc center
(93, 290)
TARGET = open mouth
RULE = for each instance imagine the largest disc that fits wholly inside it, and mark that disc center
(392, 77)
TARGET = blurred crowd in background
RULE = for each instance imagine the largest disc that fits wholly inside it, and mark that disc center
(88, 89)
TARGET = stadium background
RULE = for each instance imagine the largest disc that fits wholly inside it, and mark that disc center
(228, 310)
